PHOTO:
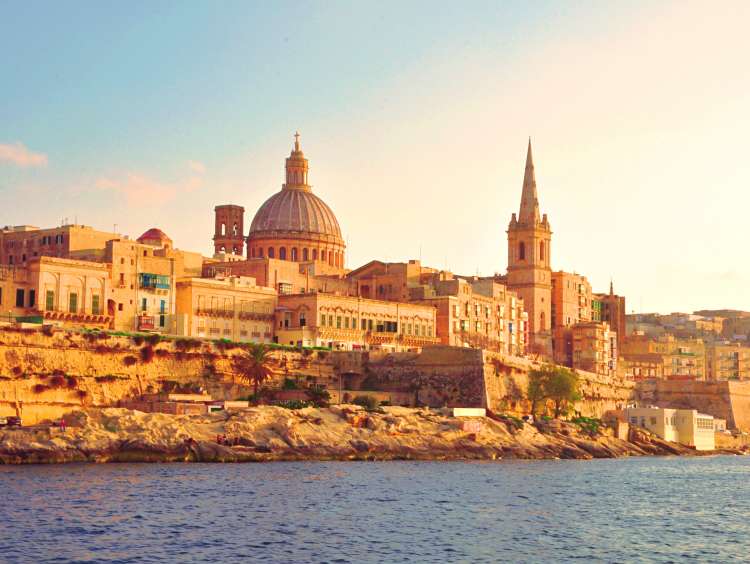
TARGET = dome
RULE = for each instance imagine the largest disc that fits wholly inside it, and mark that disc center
(296, 211)
(155, 237)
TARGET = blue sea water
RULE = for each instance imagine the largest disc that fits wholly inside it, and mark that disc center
(625, 510)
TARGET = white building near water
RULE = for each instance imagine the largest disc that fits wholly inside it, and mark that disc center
(684, 426)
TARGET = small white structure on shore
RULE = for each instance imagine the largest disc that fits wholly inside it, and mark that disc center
(469, 412)
(684, 426)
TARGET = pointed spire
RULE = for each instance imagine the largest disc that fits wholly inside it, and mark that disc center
(611, 287)
(296, 141)
(529, 212)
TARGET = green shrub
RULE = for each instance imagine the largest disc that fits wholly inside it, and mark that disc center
(187, 344)
(129, 360)
(589, 425)
(319, 396)
(138, 340)
(289, 384)
(370, 403)
(40, 388)
(57, 381)
(293, 404)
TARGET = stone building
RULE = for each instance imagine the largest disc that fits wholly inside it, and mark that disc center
(611, 308)
(529, 257)
(296, 225)
(232, 308)
(143, 275)
(20, 244)
(727, 361)
(594, 348)
(353, 323)
(471, 311)
(56, 290)
(571, 304)
(229, 230)
(681, 359)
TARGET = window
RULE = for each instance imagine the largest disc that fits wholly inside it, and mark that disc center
(521, 251)
(144, 304)
(322, 320)
(282, 253)
(19, 297)
(302, 320)
(338, 322)
(95, 305)
(541, 250)
(271, 252)
(119, 307)
(293, 254)
(73, 302)
(163, 307)
(305, 255)
(32, 298)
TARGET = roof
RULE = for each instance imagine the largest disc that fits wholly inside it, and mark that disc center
(154, 233)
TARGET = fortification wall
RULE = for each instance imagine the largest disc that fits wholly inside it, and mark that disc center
(463, 377)
(44, 376)
(725, 399)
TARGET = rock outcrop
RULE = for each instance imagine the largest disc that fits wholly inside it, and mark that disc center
(336, 433)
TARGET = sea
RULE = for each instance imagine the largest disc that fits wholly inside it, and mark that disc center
(655, 509)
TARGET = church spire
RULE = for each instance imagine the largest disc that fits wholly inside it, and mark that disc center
(296, 168)
(529, 212)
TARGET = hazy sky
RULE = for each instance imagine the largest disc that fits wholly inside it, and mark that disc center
(415, 116)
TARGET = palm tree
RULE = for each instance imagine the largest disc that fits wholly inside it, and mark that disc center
(253, 365)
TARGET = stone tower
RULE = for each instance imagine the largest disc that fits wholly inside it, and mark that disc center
(229, 229)
(529, 272)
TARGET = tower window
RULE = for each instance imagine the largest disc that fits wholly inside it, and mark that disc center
(522, 251)
(541, 250)
(282, 253)
(271, 252)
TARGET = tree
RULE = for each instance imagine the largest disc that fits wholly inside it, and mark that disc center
(253, 365)
(562, 388)
(556, 383)
(536, 391)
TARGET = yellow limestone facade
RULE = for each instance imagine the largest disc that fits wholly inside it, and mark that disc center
(529, 271)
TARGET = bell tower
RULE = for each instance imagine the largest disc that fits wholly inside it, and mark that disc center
(529, 253)
(229, 229)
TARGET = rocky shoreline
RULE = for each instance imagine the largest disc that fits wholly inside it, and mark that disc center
(335, 433)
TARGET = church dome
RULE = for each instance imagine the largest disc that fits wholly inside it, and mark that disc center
(295, 210)
(294, 224)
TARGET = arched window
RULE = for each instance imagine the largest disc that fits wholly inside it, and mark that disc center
(541, 251)
(542, 322)
(260, 252)
(522, 251)
(271, 252)
(337, 259)
(315, 254)
(282, 253)
(223, 229)
(293, 254)
(330, 258)
(234, 230)
(305, 255)
(252, 253)
(323, 255)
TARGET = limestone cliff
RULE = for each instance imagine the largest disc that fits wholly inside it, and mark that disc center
(336, 433)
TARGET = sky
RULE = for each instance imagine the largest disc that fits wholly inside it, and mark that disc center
(415, 117)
